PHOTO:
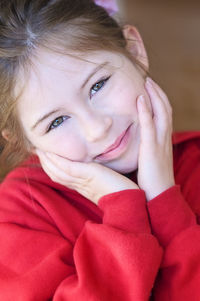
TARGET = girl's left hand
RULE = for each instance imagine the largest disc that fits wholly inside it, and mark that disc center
(155, 161)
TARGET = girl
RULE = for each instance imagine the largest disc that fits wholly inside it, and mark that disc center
(90, 208)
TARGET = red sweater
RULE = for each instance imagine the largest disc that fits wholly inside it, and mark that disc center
(57, 245)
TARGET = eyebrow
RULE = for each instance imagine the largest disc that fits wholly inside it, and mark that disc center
(43, 118)
(94, 71)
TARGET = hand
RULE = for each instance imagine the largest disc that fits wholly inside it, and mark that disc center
(155, 161)
(92, 180)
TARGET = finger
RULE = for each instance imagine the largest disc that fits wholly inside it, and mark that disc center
(147, 126)
(162, 117)
(58, 176)
(52, 170)
(74, 169)
(162, 95)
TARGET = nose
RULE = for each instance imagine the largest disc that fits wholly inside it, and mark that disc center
(95, 125)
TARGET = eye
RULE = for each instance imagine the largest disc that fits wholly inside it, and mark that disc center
(98, 86)
(57, 122)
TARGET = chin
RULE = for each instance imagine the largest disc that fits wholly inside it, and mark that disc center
(122, 168)
(125, 170)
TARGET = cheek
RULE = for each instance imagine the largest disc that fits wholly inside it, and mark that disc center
(68, 146)
(72, 149)
(127, 101)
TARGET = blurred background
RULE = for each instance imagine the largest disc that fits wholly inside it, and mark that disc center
(171, 34)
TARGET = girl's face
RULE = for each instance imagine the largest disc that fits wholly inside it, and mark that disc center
(79, 108)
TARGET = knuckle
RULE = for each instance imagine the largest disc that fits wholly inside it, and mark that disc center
(70, 170)
(164, 121)
(53, 178)
(164, 126)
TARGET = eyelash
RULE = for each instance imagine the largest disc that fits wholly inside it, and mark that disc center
(104, 81)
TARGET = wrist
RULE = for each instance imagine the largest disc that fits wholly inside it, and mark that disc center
(151, 194)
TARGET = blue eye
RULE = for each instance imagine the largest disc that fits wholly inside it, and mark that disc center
(98, 86)
(57, 122)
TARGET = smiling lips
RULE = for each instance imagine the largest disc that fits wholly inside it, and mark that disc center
(118, 146)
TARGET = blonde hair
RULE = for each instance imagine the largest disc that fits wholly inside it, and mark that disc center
(25, 26)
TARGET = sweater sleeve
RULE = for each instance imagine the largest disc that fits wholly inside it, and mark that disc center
(114, 260)
(174, 221)
(175, 226)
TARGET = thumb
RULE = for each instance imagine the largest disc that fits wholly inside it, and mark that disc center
(146, 121)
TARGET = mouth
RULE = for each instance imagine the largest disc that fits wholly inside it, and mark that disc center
(117, 148)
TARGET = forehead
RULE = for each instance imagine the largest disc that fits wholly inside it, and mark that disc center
(48, 67)
(72, 63)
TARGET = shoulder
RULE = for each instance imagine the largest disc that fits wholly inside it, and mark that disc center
(186, 145)
(23, 181)
(30, 199)
(29, 172)
(186, 150)
(182, 137)
(28, 191)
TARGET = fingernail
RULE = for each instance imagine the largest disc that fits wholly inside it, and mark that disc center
(142, 103)
(142, 99)
(149, 81)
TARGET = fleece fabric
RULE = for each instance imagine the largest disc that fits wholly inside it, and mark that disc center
(57, 245)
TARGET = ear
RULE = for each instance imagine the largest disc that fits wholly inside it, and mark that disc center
(5, 134)
(135, 45)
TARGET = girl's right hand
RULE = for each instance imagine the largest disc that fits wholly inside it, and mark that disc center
(92, 180)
